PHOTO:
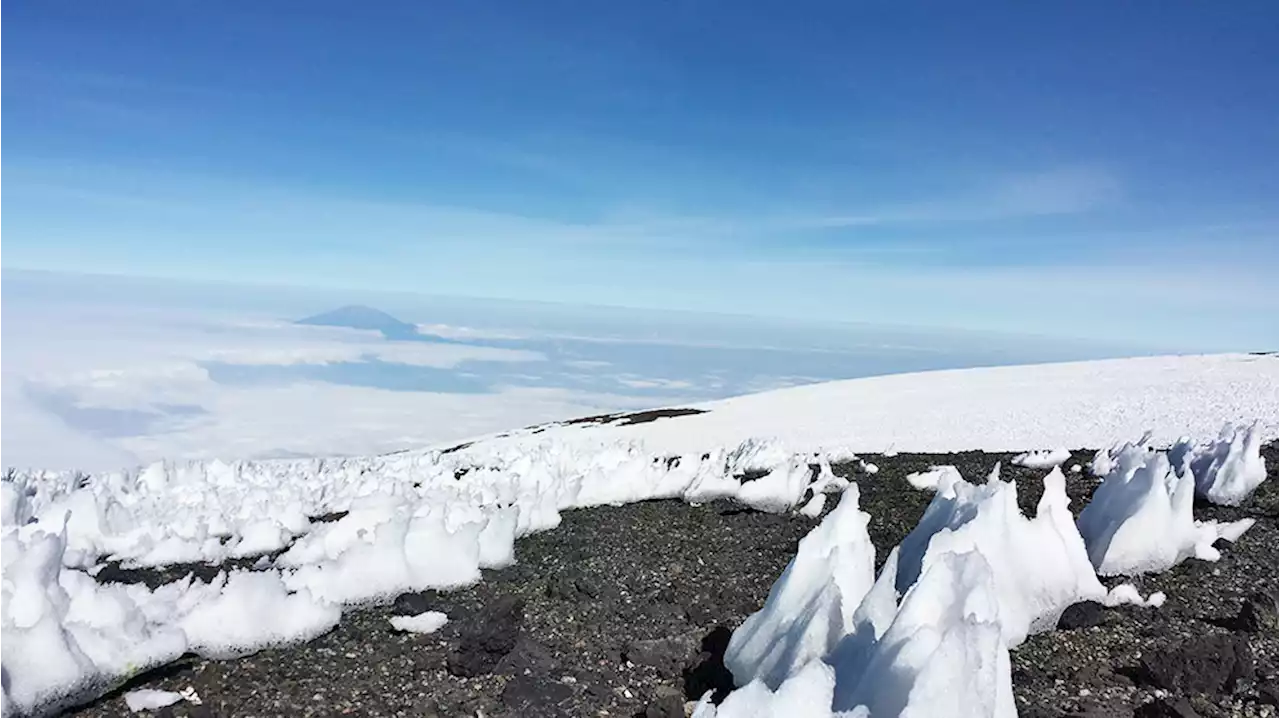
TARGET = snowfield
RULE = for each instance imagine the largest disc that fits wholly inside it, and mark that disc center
(1017, 408)
(937, 622)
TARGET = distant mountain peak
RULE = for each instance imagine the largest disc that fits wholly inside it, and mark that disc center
(358, 316)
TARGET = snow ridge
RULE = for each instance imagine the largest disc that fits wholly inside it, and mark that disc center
(404, 522)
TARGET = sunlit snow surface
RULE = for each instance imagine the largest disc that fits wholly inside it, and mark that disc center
(1075, 405)
(434, 518)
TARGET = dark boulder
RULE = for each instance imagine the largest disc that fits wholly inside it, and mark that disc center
(487, 638)
(708, 672)
(1208, 665)
(668, 655)
(575, 589)
(410, 604)
(667, 703)
(562, 588)
(1257, 614)
(1084, 614)
(529, 657)
(1267, 694)
(536, 696)
(589, 587)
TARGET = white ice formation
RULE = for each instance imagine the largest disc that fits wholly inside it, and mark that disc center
(1140, 519)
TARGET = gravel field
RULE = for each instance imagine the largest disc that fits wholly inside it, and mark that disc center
(625, 611)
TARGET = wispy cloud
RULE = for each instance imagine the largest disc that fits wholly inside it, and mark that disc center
(1063, 190)
(905, 263)
(671, 175)
(1053, 192)
(1075, 189)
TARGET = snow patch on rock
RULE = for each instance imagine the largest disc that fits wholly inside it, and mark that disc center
(1127, 593)
(428, 622)
(148, 699)
(1046, 459)
(936, 475)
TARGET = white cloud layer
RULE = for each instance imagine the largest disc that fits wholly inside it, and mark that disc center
(101, 387)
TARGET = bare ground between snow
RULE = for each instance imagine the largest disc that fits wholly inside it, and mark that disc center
(623, 611)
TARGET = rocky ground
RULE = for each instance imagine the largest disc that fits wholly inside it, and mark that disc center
(625, 611)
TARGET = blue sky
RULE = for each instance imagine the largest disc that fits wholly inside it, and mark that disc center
(1089, 169)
